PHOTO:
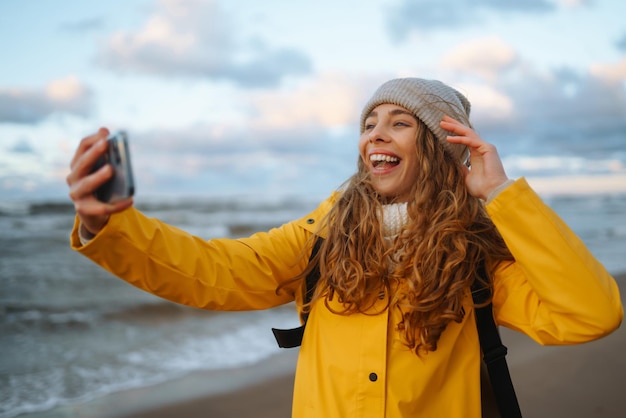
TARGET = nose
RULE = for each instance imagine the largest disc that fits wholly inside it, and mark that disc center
(378, 134)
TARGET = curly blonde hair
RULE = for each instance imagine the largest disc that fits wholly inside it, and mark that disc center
(431, 264)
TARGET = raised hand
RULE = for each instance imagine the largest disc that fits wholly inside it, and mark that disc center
(83, 183)
(486, 172)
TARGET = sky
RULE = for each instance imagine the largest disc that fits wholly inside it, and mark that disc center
(248, 97)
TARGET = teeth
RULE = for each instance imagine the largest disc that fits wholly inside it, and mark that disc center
(382, 157)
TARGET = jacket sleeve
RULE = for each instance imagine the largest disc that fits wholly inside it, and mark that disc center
(555, 291)
(219, 274)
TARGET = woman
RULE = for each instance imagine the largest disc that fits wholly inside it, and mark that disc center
(391, 329)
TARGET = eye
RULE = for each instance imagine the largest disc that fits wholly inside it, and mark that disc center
(402, 123)
(369, 126)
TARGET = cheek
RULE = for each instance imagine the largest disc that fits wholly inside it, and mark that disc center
(363, 146)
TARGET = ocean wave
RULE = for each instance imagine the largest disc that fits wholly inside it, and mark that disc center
(54, 316)
(149, 356)
(161, 311)
(31, 316)
(13, 208)
(21, 208)
(14, 322)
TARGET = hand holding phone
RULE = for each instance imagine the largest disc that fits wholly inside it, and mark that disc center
(121, 185)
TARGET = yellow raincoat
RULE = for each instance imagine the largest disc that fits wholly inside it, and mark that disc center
(356, 366)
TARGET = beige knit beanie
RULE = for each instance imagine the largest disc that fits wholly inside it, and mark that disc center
(429, 101)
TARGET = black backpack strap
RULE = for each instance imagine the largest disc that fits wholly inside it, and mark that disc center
(290, 338)
(494, 352)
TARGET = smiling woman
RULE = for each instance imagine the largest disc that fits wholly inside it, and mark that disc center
(428, 218)
(391, 162)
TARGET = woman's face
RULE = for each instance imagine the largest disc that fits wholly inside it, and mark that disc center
(388, 150)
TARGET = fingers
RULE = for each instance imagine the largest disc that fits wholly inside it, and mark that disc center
(82, 183)
(455, 127)
(88, 142)
(452, 125)
(95, 213)
(79, 179)
(451, 122)
(461, 134)
(82, 186)
(89, 150)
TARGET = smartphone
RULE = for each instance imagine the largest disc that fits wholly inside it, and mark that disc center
(121, 185)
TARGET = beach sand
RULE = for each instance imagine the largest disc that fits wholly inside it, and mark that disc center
(583, 381)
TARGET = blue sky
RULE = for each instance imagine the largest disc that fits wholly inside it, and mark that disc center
(263, 97)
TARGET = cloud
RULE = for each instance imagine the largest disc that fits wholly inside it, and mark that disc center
(292, 119)
(193, 38)
(621, 43)
(571, 4)
(489, 105)
(22, 146)
(256, 161)
(330, 100)
(524, 110)
(425, 15)
(610, 73)
(22, 171)
(484, 57)
(66, 95)
(562, 113)
(83, 26)
(307, 133)
(299, 139)
(579, 184)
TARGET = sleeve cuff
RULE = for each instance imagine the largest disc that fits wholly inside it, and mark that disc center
(84, 236)
(495, 192)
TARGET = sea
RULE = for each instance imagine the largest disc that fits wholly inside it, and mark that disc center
(71, 332)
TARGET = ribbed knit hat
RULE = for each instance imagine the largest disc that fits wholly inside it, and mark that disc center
(429, 101)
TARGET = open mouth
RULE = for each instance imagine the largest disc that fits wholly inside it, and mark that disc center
(382, 161)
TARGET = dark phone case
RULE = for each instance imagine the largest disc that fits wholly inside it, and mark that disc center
(121, 185)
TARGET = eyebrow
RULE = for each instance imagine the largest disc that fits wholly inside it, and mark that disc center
(393, 112)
